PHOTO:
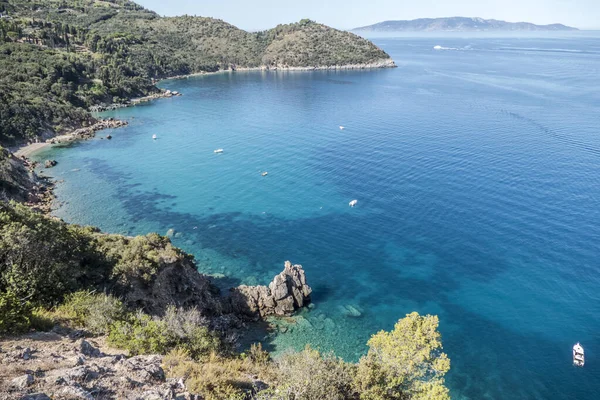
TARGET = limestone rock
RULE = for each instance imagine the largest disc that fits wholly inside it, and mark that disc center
(36, 396)
(22, 382)
(76, 392)
(88, 350)
(287, 292)
(50, 163)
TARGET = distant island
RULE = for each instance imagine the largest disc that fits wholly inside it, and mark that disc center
(458, 24)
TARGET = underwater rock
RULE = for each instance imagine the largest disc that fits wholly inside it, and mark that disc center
(350, 311)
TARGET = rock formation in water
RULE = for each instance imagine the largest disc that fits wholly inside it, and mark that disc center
(286, 293)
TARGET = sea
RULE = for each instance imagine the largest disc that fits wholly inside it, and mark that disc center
(476, 170)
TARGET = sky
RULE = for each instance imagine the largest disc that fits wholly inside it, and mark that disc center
(347, 14)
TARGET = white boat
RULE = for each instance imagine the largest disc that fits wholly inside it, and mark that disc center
(265, 173)
(578, 355)
(353, 203)
(342, 128)
(438, 47)
(154, 137)
(217, 151)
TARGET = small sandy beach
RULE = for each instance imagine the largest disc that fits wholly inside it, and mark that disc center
(29, 149)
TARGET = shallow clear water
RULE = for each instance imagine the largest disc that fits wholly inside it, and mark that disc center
(476, 171)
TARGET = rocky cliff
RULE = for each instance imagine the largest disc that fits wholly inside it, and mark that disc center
(19, 183)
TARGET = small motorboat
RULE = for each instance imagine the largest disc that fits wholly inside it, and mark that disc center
(154, 137)
(353, 203)
(578, 355)
(342, 128)
(218, 151)
(265, 173)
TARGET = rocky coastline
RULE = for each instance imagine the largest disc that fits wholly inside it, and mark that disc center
(380, 64)
(162, 94)
(87, 132)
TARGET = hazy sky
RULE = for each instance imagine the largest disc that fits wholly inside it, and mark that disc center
(346, 14)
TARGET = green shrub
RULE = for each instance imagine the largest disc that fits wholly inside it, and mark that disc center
(15, 314)
(309, 375)
(257, 355)
(141, 334)
(187, 326)
(94, 312)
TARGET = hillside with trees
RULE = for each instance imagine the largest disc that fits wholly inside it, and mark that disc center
(58, 58)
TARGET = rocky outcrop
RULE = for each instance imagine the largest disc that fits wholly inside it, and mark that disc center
(177, 283)
(89, 131)
(286, 293)
(154, 96)
(50, 163)
(18, 182)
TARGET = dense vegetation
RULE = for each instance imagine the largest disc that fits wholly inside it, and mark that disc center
(59, 57)
(52, 273)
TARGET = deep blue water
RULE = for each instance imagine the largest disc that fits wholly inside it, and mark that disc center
(476, 171)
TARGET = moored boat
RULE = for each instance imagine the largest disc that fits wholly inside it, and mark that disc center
(578, 355)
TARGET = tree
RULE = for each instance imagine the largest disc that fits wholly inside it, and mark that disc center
(406, 363)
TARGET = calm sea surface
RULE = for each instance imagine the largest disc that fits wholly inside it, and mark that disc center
(477, 174)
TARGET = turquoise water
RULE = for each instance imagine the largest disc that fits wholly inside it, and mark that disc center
(476, 171)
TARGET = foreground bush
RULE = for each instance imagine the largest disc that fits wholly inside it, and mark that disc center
(407, 362)
(94, 312)
(309, 375)
(15, 314)
(139, 333)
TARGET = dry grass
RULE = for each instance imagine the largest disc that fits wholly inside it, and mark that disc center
(216, 377)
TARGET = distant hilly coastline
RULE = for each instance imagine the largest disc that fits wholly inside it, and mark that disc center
(458, 24)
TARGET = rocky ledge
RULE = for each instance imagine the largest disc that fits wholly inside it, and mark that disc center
(286, 293)
(51, 366)
(160, 95)
(88, 132)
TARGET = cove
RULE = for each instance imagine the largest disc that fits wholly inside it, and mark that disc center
(475, 171)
